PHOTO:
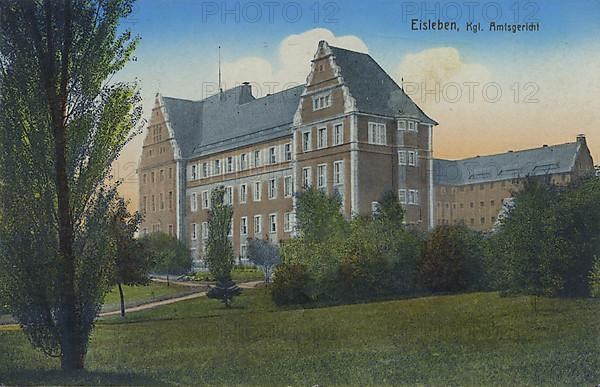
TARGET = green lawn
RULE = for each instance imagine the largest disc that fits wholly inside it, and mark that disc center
(469, 339)
(134, 295)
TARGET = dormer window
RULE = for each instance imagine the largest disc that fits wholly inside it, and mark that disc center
(401, 125)
(412, 126)
(321, 101)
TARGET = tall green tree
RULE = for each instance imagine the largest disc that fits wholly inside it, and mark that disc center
(529, 243)
(132, 263)
(62, 125)
(219, 249)
(167, 254)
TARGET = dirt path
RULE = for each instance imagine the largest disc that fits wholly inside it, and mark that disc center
(154, 304)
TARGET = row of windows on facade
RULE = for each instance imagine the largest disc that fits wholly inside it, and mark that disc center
(288, 225)
(463, 221)
(377, 134)
(161, 150)
(244, 161)
(161, 202)
(491, 185)
(156, 228)
(471, 204)
(288, 186)
(161, 176)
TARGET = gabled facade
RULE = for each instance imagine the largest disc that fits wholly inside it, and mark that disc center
(349, 131)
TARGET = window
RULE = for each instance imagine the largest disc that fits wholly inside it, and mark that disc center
(338, 134)
(306, 177)
(377, 134)
(287, 186)
(152, 177)
(306, 141)
(322, 176)
(217, 168)
(321, 102)
(230, 164)
(482, 220)
(243, 161)
(481, 204)
(272, 188)
(272, 155)
(413, 196)
(228, 199)
(492, 203)
(471, 204)
(243, 193)
(321, 138)
(171, 230)
(402, 157)
(257, 225)
(287, 150)
(153, 203)
(161, 201)
(144, 178)
(287, 222)
(194, 203)
(204, 230)
(257, 191)
(144, 203)
(273, 223)
(412, 158)
(162, 175)
(205, 200)
(243, 251)
(193, 172)
(243, 225)
(402, 196)
(230, 233)
(204, 170)
(257, 159)
(338, 172)
(401, 125)
(412, 126)
(194, 231)
(493, 219)
(170, 200)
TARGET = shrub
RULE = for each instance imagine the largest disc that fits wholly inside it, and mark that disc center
(446, 260)
(289, 284)
(362, 276)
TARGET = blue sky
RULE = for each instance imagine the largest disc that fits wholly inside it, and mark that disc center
(178, 53)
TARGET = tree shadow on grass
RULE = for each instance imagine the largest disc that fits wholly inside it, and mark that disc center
(84, 377)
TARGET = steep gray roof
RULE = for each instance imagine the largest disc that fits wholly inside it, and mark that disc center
(373, 89)
(531, 162)
(211, 124)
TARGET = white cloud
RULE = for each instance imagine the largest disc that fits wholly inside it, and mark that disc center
(293, 61)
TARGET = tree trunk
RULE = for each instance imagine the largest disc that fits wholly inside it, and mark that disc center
(168, 283)
(122, 300)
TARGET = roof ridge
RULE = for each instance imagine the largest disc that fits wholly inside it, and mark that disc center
(509, 152)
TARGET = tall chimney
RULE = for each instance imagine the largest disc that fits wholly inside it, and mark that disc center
(245, 93)
(581, 139)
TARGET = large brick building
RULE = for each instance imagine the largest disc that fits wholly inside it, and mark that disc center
(350, 130)
(474, 191)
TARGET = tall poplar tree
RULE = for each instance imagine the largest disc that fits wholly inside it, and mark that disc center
(62, 124)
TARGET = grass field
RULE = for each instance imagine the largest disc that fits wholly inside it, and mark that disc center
(134, 295)
(469, 339)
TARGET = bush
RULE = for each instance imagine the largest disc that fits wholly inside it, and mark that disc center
(446, 262)
(363, 276)
(289, 284)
